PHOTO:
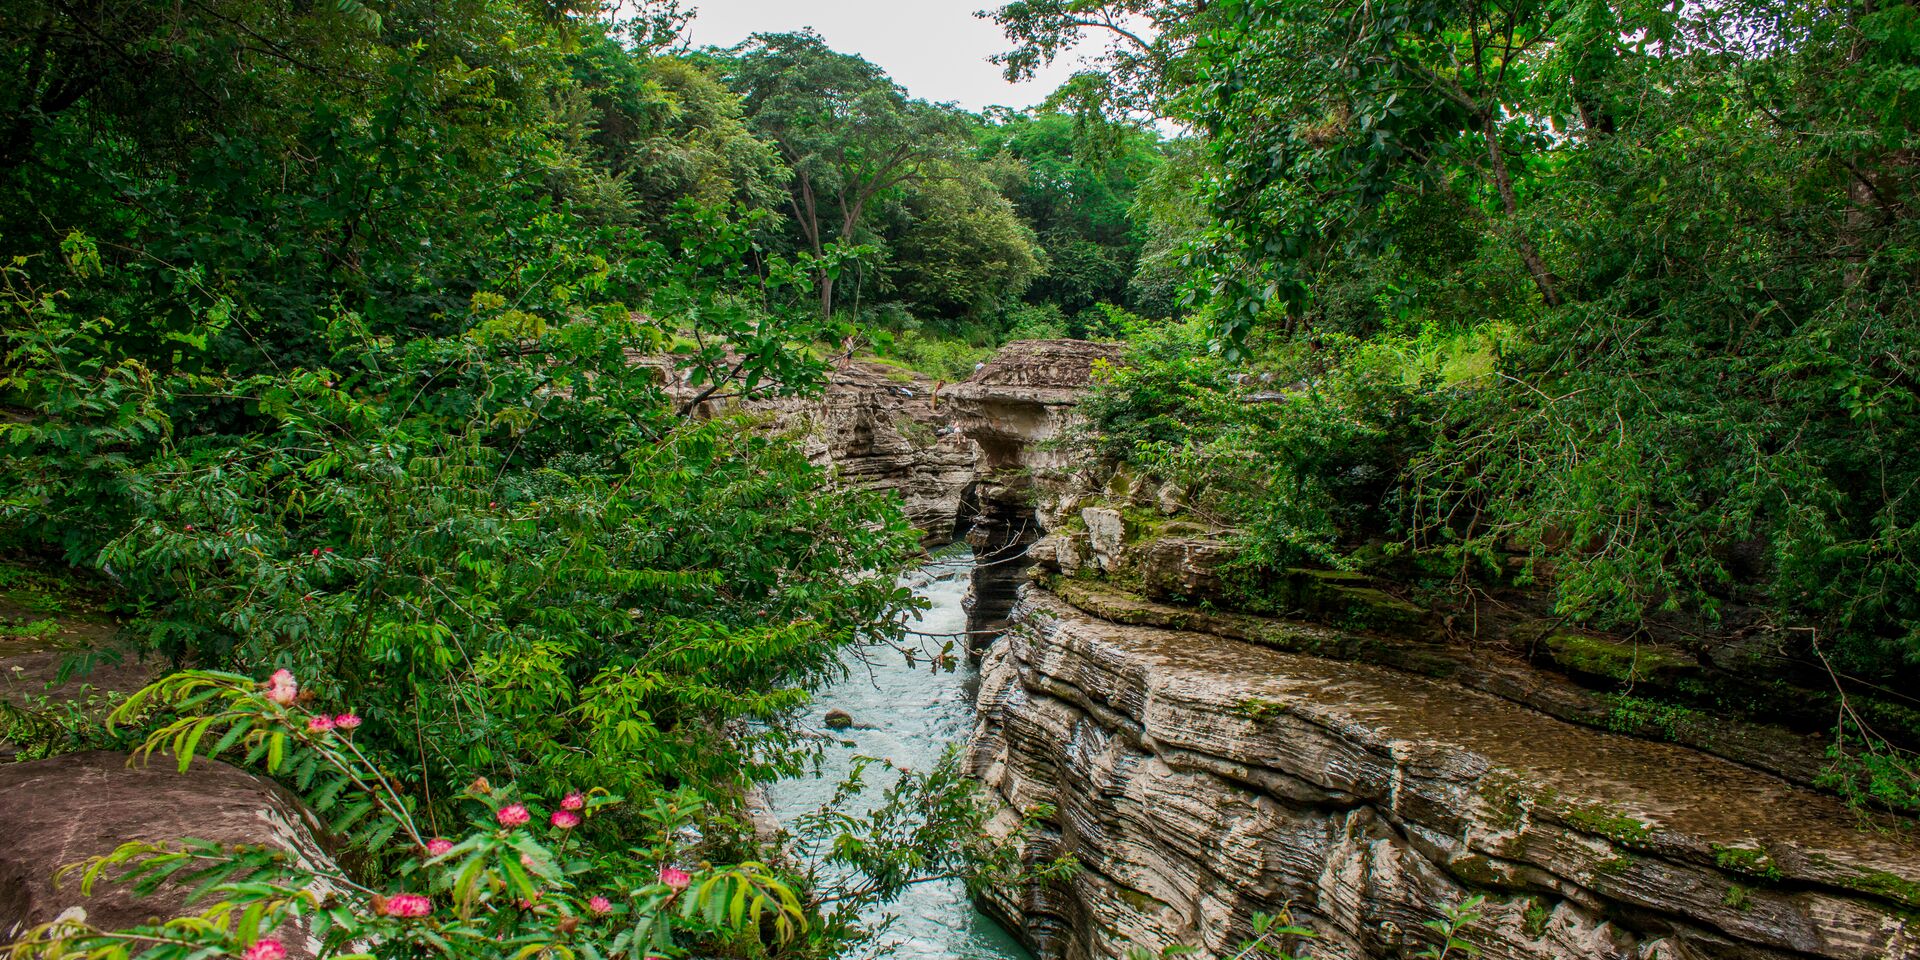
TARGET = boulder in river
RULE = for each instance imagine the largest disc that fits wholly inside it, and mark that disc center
(838, 719)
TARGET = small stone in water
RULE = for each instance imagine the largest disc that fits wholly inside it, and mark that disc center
(839, 720)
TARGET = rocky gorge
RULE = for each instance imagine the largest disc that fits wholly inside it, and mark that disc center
(1344, 761)
(1346, 765)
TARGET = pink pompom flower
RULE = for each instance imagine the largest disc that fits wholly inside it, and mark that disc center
(438, 846)
(599, 906)
(281, 688)
(565, 819)
(319, 724)
(347, 721)
(675, 878)
(268, 949)
(408, 905)
(513, 815)
(573, 801)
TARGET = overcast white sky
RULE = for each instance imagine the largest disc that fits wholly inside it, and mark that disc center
(937, 49)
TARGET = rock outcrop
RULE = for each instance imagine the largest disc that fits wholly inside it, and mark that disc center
(67, 809)
(955, 453)
(1200, 780)
(883, 428)
(1015, 408)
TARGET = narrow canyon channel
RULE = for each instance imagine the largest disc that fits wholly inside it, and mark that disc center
(910, 715)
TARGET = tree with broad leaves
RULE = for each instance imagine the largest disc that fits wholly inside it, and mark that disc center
(849, 133)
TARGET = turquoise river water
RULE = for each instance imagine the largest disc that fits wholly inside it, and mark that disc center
(911, 716)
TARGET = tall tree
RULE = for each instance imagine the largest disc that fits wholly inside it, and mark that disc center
(848, 132)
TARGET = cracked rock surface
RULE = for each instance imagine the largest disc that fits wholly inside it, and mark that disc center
(1199, 780)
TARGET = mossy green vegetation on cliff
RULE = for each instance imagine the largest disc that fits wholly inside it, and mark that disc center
(1608, 307)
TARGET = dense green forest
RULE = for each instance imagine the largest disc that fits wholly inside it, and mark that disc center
(321, 322)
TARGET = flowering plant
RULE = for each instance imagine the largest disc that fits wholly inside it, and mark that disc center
(517, 881)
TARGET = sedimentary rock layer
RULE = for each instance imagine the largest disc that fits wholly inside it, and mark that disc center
(1200, 780)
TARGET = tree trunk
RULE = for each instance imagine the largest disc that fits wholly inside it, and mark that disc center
(1543, 278)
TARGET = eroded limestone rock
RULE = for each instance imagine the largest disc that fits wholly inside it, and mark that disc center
(878, 427)
(1200, 780)
(1017, 407)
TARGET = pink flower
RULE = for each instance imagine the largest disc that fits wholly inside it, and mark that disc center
(346, 721)
(316, 552)
(281, 688)
(513, 815)
(675, 878)
(565, 819)
(408, 905)
(438, 846)
(319, 724)
(526, 861)
(573, 801)
(266, 950)
(599, 906)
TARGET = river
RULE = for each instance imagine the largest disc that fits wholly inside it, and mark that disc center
(911, 716)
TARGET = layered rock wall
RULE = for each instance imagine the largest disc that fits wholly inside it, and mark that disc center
(884, 428)
(1200, 780)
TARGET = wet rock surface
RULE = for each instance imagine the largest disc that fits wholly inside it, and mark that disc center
(67, 809)
(1200, 780)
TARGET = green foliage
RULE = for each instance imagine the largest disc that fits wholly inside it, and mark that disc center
(1446, 167)
(509, 883)
(963, 251)
(938, 357)
(367, 348)
(1142, 70)
(1078, 198)
(1450, 927)
(1304, 450)
(854, 142)
(532, 557)
(1671, 247)
(666, 129)
(38, 726)
(1631, 714)
(1275, 936)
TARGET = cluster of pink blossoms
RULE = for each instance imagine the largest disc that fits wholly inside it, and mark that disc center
(599, 906)
(675, 878)
(513, 815)
(407, 905)
(267, 949)
(322, 723)
(564, 819)
(438, 846)
(282, 689)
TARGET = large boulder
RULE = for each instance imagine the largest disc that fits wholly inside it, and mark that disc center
(64, 810)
